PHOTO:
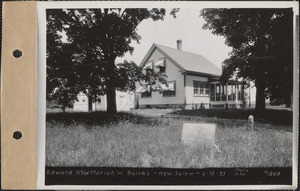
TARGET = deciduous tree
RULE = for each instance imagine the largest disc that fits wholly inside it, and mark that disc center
(94, 39)
(262, 48)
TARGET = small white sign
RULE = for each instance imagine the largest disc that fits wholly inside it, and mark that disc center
(198, 133)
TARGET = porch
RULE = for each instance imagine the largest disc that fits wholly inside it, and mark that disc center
(229, 95)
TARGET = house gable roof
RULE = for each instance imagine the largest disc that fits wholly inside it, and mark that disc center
(186, 61)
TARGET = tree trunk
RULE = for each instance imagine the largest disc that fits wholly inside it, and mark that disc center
(111, 100)
(288, 100)
(110, 83)
(260, 96)
(260, 83)
(90, 102)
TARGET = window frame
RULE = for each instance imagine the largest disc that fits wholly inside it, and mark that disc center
(160, 67)
(165, 93)
(146, 94)
(152, 65)
(201, 87)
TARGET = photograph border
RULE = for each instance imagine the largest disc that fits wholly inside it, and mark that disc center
(41, 84)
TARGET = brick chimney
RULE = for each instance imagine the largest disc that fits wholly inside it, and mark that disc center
(179, 44)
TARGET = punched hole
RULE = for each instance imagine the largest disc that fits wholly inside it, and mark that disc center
(17, 135)
(17, 53)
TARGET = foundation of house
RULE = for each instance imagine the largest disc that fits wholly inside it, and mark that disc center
(193, 106)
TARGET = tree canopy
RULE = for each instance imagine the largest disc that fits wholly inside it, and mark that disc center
(85, 62)
(262, 48)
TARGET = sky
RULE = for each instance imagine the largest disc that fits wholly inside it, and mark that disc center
(187, 26)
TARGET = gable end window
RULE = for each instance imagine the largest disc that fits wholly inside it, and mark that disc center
(149, 65)
(161, 65)
(201, 88)
(169, 91)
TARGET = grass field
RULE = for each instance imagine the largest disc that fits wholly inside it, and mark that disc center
(132, 140)
(274, 116)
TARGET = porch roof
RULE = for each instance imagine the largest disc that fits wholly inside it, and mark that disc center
(228, 82)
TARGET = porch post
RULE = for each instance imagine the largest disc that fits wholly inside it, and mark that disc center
(249, 94)
(227, 92)
(235, 96)
(221, 91)
(215, 92)
(240, 94)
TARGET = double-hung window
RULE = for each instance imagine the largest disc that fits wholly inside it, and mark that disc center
(146, 94)
(148, 66)
(201, 88)
(170, 90)
(144, 91)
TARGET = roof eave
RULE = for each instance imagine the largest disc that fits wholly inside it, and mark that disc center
(149, 53)
(200, 73)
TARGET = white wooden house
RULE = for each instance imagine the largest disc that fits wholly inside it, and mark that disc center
(193, 82)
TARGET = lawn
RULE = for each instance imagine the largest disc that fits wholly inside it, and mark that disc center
(132, 140)
(281, 117)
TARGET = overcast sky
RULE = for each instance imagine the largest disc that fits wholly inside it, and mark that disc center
(186, 27)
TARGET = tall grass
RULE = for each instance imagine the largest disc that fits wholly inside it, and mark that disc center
(127, 140)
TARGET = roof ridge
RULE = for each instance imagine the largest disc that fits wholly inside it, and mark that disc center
(170, 57)
(188, 53)
(179, 50)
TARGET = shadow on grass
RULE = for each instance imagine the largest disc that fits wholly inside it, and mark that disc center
(278, 117)
(282, 117)
(101, 118)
